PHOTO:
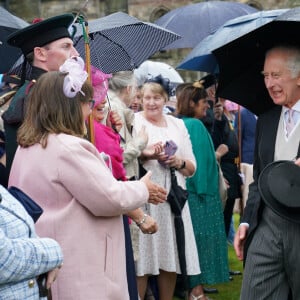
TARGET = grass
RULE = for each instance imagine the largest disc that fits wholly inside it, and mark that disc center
(230, 290)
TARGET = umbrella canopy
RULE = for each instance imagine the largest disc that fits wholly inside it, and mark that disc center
(196, 21)
(201, 57)
(8, 24)
(151, 68)
(121, 42)
(241, 61)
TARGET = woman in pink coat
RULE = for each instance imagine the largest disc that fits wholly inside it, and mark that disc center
(83, 203)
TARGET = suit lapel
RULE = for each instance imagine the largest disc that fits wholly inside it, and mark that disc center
(269, 126)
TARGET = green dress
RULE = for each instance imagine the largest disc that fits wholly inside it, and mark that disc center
(206, 209)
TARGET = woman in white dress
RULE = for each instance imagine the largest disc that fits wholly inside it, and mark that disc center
(158, 253)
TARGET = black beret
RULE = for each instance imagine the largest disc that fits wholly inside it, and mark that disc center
(209, 80)
(41, 33)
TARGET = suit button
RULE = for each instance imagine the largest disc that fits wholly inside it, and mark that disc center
(31, 283)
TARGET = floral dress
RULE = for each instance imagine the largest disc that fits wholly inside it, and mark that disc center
(159, 251)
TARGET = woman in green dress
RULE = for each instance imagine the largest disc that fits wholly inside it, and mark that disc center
(204, 197)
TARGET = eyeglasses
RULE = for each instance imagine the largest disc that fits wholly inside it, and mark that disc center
(91, 103)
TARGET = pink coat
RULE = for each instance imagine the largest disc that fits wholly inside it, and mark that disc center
(82, 205)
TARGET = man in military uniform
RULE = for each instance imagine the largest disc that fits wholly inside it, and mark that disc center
(45, 45)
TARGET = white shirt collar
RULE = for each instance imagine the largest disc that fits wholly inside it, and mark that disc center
(295, 107)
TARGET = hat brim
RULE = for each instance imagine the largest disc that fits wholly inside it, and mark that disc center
(279, 187)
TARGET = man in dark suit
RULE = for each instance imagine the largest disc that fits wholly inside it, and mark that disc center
(270, 241)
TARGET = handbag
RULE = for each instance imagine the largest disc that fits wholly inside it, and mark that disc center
(222, 187)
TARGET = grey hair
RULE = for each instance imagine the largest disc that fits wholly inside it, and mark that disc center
(293, 60)
(121, 80)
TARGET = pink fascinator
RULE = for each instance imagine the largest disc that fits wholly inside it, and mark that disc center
(100, 84)
(75, 78)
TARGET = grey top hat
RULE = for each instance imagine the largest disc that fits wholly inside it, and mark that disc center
(279, 186)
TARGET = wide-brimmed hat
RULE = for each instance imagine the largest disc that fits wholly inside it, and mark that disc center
(279, 186)
(41, 33)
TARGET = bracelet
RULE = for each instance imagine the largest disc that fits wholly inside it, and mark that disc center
(142, 221)
(182, 166)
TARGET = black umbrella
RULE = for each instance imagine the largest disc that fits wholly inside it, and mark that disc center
(121, 42)
(241, 61)
(8, 24)
(177, 198)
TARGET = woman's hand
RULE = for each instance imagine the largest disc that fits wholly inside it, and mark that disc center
(174, 161)
(157, 194)
(221, 151)
(114, 121)
(145, 222)
(154, 151)
(149, 226)
(51, 276)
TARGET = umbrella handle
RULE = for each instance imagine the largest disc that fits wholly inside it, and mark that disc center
(85, 30)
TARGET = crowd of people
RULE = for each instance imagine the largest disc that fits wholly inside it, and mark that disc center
(108, 228)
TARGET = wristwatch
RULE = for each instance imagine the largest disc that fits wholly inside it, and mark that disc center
(182, 166)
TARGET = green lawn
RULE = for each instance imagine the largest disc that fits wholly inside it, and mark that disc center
(230, 290)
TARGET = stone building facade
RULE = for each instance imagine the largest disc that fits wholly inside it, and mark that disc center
(146, 10)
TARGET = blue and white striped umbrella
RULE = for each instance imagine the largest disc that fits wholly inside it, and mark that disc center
(121, 42)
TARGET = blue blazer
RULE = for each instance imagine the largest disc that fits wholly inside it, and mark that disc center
(247, 126)
(23, 256)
